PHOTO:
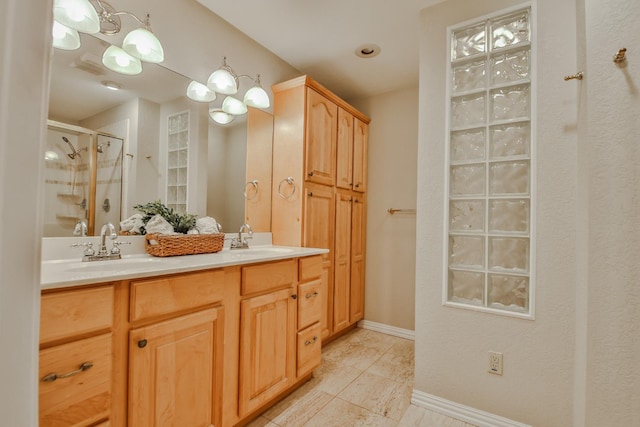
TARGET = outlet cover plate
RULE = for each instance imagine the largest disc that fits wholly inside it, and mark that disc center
(495, 363)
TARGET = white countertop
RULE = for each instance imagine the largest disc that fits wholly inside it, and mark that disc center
(60, 273)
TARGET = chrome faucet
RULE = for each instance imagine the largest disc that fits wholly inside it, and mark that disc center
(241, 242)
(107, 228)
(81, 228)
(103, 253)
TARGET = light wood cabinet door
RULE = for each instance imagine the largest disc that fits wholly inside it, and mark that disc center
(358, 244)
(267, 347)
(342, 267)
(344, 150)
(321, 135)
(175, 371)
(319, 217)
(360, 142)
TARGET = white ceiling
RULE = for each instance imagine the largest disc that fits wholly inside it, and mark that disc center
(320, 38)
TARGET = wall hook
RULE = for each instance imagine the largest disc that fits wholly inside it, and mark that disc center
(621, 56)
(577, 76)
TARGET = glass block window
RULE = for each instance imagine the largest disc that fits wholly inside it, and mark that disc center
(490, 166)
(177, 161)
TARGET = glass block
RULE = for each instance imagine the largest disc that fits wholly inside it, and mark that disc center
(510, 67)
(466, 215)
(468, 110)
(469, 76)
(173, 141)
(172, 161)
(510, 30)
(181, 208)
(172, 194)
(182, 176)
(466, 287)
(509, 215)
(508, 292)
(509, 253)
(466, 251)
(467, 180)
(510, 103)
(182, 157)
(467, 145)
(172, 177)
(509, 140)
(468, 41)
(509, 177)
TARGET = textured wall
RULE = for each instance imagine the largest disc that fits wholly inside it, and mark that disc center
(611, 147)
(390, 265)
(452, 344)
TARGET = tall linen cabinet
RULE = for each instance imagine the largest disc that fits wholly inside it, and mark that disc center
(319, 190)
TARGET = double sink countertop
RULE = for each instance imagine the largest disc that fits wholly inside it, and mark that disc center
(62, 265)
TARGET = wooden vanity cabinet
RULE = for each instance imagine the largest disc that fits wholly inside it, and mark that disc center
(319, 162)
(75, 360)
(310, 309)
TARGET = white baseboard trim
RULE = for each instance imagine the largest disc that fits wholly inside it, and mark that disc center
(461, 412)
(386, 329)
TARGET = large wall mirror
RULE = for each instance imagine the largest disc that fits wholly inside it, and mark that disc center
(108, 150)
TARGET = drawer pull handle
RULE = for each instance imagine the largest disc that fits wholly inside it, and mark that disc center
(52, 377)
(142, 343)
(311, 341)
(312, 295)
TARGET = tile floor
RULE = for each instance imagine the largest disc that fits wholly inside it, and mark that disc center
(365, 379)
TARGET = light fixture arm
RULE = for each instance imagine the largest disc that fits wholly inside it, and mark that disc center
(108, 14)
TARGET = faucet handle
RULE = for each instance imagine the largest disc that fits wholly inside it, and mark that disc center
(89, 251)
(115, 249)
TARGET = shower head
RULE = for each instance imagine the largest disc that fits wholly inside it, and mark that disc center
(74, 152)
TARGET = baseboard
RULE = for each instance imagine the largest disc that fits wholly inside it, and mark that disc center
(461, 412)
(386, 329)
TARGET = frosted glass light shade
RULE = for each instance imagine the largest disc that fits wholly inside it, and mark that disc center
(142, 44)
(77, 14)
(199, 92)
(220, 117)
(233, 106)
(222, 81)
(121, 62)
(257, 97)
(64, 37)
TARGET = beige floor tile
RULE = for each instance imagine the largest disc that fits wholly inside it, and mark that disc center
(433, 419)
(399, 368)
(339, 413)
(332, 377)
(297, 408)
(412, 416)
(261, 422)
(403, 347)
(356, 355)
(377, 340)
(379, 395)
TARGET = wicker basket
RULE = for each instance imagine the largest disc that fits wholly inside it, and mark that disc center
(183, 244)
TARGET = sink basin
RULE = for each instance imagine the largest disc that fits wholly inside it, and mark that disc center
(125, 264)
(262, 251)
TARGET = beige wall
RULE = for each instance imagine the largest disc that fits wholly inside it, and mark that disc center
(391, 239)
(452, 344)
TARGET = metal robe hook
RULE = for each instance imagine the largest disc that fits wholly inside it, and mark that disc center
(621, 56)
(577, 76)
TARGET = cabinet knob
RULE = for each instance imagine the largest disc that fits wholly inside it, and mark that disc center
(294, 296)
(142, 343)
(357, 185)
(310, 173)
(310, 193)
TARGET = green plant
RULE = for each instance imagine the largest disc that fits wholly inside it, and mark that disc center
(181, 222)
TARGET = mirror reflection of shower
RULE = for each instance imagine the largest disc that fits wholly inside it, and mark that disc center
(74, 151)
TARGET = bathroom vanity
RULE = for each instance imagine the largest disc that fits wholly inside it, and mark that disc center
(201, 340)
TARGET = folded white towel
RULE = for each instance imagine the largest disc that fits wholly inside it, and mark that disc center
(159, 225)
(208, 225)
(132, 224)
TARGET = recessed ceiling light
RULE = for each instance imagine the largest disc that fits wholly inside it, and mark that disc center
(111, 85)
(369, 50)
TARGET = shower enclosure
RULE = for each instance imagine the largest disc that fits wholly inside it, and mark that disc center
(83, 180)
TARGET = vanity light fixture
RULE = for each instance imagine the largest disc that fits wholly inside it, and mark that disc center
(225, 81)
(64, 37)
(199, 92)
(77, 14)
(220, 117)
(116, 59)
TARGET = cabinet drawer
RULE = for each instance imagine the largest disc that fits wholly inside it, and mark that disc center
(309, 349)
(171, 294)
(80, 398)
(268, 277)
(310, 267)
(75, 312)
(309, 303)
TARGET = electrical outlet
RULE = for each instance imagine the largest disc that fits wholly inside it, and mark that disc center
(495, 363)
